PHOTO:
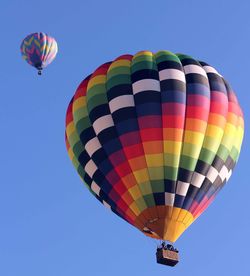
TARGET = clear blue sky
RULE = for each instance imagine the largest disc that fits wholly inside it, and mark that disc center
(49, 224)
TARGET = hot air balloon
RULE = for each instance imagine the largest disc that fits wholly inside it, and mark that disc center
(155, 137)
(39, 50)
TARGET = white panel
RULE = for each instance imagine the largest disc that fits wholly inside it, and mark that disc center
(174, 74)
(169, 199)
(212, 174)
(106, 204)
(146, 84)
(90, 168)
(192, 68)
(102, 123)
(223, 173)
(121, 102)
(182, 188)
(229, 175)
(197, 179)
(92, 146)
(210, 69)
(95, 188)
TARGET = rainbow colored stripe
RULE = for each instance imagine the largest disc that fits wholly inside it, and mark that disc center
(39, 49)
(155, 137)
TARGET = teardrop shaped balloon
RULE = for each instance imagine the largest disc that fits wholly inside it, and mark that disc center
(39, 50)
(155, 137)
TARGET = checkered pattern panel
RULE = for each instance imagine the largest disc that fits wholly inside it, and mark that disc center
(155, 137)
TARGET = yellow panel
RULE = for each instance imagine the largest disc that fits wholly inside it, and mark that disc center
(134, 208)
(78, 103)
(172, 147)
(229, 129)
(214, 131)
(70, 128)
(143, 53)
(193, 137)
(135, 192)
(100, 79)
(155, 160)
(141, 175)
(119, 63)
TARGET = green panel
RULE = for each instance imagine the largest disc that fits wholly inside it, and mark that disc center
(188, 163)
(121, 70)
(96, 101)
(223, 152)
(162, 56)
(171, 173)
(207, 156)
(97, 89)
(149, 200)
(116, 80)
(158, 186)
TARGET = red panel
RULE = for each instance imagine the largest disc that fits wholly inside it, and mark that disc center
(69, 115)
(131, 138)
(217, 108)
(173, 109)
(197, 100)
(117, 158)
(146, 122)
(123, 169)
(127, 56)
(102, 70)
(151, 134)
(197, 112)
(120, 188)
(173, 121)
(133, 151)
(112, 177)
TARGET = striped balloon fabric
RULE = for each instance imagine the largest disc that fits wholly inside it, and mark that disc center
(155, 137)
(39, 50)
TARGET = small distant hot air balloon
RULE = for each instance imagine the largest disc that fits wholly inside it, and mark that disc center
(155, 137)
(39, 50)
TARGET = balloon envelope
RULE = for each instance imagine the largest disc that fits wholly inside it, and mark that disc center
(155, 137)
(39, 50)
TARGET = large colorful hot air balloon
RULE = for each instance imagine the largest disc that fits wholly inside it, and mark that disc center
(39, 50)
(155, 137)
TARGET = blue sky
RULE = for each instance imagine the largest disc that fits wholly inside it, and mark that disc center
(50, 224)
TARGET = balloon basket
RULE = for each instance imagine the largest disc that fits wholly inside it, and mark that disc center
(167, 257)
